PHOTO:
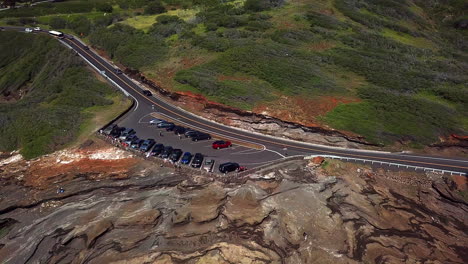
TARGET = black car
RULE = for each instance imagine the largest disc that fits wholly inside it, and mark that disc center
(157, 150)
(147, 144)
(178, 130)
(190, 133)
(118, 71)
(147, 92)
(166, 152)
(170, 128)
(200, 136)
(228, 167)
(86, 48)
(117, 131)
(164, 125)
(197, 160)
(175, 155)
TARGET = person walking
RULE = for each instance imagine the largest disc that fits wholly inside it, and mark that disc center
(160, 133)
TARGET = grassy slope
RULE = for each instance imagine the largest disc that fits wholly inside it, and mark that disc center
(398, 57)
(63, 102)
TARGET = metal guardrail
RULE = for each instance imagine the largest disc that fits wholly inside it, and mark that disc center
(398, 165)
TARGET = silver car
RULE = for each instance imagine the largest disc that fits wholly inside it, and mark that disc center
(208, 165)
(156, 121)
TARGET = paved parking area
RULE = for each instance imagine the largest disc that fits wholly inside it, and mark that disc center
(248, 155)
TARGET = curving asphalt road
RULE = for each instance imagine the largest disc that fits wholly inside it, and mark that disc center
(271, 148)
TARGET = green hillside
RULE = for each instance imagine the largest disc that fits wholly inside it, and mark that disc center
(46, 93)
(402, 63)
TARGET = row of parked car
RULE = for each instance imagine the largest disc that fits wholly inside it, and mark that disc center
(128, 138)
(189, 133)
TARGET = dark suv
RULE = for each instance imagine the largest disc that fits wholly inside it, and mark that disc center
(228, 167)
(200, 136)
(175, 156)
(157, 150)
(190, 133)
(127, 132)
(178, 130)
(197, 160)
(166, 152)
(147, 92)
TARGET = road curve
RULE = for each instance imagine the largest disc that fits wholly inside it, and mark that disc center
(273, 144)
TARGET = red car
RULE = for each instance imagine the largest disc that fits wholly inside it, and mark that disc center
(221, 144)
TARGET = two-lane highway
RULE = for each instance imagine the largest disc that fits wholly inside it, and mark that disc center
(276, 147)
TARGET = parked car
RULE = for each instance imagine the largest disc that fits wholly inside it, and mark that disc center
(190, 133)
(126, 133)
(197, 160)
(117, 131)
(186, 158)
(228, 167)
(221, 144)
(156, 121)
(147, 92)
(128, 141)
(208, 165)
(157, 150)
(175, 155)
(147, 144)
(178, 130)
(108, 130)
(117, 71)
(164, 125)
(136, 144)
(166, 152)
(170, 128)
(200, 136)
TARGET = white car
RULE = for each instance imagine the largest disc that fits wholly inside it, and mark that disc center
(208, 165)
(37, 29)
(28, 30)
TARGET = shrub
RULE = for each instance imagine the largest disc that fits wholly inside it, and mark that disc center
(104, 7)
(154, 8)
(57, 23)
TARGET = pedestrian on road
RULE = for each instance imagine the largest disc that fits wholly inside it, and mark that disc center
(180, 136)
(160, 134)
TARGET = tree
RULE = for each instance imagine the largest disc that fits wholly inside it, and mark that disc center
(154, 8)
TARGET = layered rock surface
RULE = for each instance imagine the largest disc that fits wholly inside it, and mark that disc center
(295, 212)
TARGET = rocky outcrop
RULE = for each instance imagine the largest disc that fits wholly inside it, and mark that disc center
(328, 212)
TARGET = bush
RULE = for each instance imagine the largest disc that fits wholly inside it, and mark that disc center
(81, 25)
(104, 7)
(154, 8)
(57, 23)
(129, 46)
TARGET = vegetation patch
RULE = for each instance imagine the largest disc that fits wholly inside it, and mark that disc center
(59, 90)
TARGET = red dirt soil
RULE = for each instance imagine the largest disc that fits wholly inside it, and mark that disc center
(302, 110)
